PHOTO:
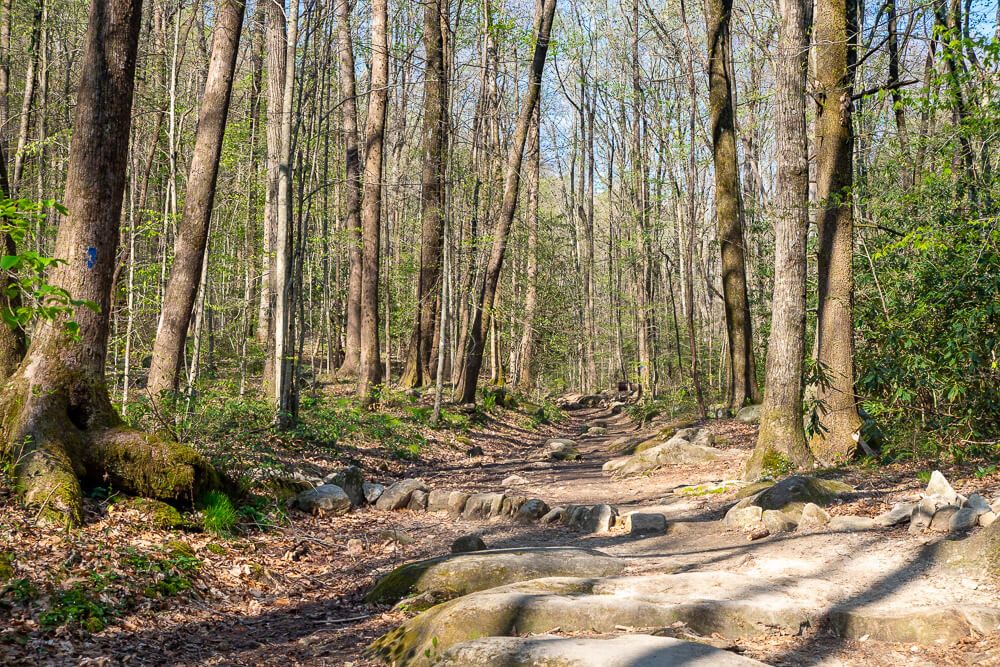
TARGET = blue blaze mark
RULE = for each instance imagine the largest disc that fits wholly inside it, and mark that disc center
(91, 257)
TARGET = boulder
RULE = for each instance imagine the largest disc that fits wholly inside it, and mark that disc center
(596, 431)
(555, 651)
(418, 501)
(676, 450)
(326, 498)
(703, 438)
(778, 522)
(467, 544)
(554, 515)
(437, 500)
(924, 513)
(900, 513)
(398, 495)
(939, 486)
(483, 506)
(705, 602)
(461, 574)
(941, 523)
(530, 511)
(813, 516)
(352, 481)
(789, 496)
(511, 504)
(456, 502)
(964, 519)
(986, 520)
(575, 516)
(372, 491)
(514, 480)
(474, 451)
(645, 523)
(850, 523)
(561, 449)
(600, 519)
(977, 502)
(749, 414)
(747, 518)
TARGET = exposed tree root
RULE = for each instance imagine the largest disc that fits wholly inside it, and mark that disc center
(61, 433)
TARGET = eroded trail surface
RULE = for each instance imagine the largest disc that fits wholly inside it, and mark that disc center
(608, 543)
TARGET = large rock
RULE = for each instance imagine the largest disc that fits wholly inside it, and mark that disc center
(561, 449)
(552, 651)
(900, 513)
(461, 574)
(372, 491)
(979, 553)
(531, 510)
(468, 544)
(813, 516)
(788, 497)
(352, 481)
(483, 506)
(850, 523)
(939, 486)
(326, 498)
(398, 495)
(645, 523)
(418, 501)
(442, 500)
(600, 519)
(749, 414)
(673, 451)
(732, 605)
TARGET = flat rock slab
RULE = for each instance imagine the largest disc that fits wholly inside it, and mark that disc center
(622, 651)
(675, 450)
(733, 605)
(460, 574)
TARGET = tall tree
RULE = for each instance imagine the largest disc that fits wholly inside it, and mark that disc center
(192, 234)
(525, 379)
(466, 390)
(60, 426)
(781, 433)
(418, 359)
(834, 56)
(370, 372)
(728, 206)
(352, 188)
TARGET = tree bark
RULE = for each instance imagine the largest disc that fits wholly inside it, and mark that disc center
(477, 331)
(192, 236)
(835, 54)
(728, 206)
(27, 101)
(352, 188)
(417, 371)
(781, 437)
(58, 423)
(370, 372)
(525, 379)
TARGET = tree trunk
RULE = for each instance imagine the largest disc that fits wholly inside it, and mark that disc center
(352, 188)
(192, 236)
(525, 379)
(417, 371)
(12, 339)
(27, 101)
(477, 331)
(58, 423)
(370, 372)
(835, 35)
(781, 437)
(728, 207)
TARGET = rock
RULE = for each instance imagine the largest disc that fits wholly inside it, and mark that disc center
(530, 511)
(352, 481)
(510, 505)
(327, 498)
(986, 520)
(398, 495)
(596, 431)
(900, 513)
(939, 486)
(437, 500)
(553, 515)
(851, 523)
(675, 450)
(813, 516)
(941, 523)
(456, 502)
(418, 501)
(705, 602)
(703, 438)
(924, 513)
(591, 401)
(396, 535)
(747, 518)
(561, 449)
(483, 506)
(474, 451)
(749, 414)
(467, 544)
(977, 502)
(687, 433)
(514, 480)
(995, 506)
(964, 519)
(777, 522)
(152, 513)
(461, 574)
(600, 519)
(575, 516)
(789, 496)
(631, 650)
(645, 523)
(372, 491)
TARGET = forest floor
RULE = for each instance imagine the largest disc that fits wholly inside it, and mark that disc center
(119, 592)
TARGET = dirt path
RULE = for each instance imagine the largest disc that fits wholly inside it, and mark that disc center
(299, 595)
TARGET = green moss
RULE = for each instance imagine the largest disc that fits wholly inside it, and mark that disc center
(158, 514)
(775, 464)
(6, 566)
(214, 548)
(178, 548)
(398, 584)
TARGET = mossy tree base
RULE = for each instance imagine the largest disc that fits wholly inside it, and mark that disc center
(781, 446)
(61, 432)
